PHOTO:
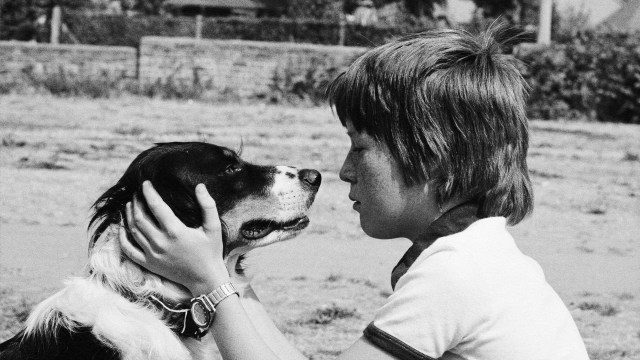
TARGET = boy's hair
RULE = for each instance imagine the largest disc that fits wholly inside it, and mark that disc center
(451, 109)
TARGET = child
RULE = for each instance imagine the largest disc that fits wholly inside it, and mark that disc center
(438, 155)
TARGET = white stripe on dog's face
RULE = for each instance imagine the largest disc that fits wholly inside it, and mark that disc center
(285, 180)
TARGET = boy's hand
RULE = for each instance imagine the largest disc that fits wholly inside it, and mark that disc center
(187, 256)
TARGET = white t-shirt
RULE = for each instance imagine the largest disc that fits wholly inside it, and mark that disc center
(474, 295)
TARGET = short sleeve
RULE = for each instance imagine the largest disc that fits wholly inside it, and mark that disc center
(430, 311)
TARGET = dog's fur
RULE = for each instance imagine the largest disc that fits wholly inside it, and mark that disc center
(107, 313)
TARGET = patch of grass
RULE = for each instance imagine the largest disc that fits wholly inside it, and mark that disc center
(625, 296)
(602, 309)
(48, 164)
(588, 134)
(10, 141)
(596, 210)
(585, 249)
(616, 251)
(14, 310)
(544, 175)
(631, 156)
(129, 131)
(365, 282)
(170, 89)
(334, 277)
(65, 84)
(611, 354)
(329, 313)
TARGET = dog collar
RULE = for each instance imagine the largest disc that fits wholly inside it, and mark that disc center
(178, 317)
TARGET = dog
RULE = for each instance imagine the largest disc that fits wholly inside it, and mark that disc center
(119, 310)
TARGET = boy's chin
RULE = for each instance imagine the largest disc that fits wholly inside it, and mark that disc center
(378, 230)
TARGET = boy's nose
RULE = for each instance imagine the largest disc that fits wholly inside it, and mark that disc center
(346, 173)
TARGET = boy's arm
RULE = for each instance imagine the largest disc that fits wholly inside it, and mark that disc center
(265, 327)
(243, 330)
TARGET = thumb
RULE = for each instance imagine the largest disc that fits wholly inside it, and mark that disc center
(210, 218)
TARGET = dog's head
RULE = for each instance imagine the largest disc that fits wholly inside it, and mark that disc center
(258, 205)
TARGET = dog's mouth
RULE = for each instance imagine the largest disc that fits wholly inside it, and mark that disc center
(257, 229)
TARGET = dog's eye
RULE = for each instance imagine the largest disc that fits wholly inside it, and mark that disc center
(232, 169)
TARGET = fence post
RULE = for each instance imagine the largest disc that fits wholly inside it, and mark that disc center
(544, 25)
(343, 30)
(56, 19)
(199, 26)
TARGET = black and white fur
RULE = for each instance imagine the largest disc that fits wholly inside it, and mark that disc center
(107, 313)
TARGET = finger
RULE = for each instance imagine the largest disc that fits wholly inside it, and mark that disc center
(133, 253)
(142, 227)
(210, 218)
(162, 212)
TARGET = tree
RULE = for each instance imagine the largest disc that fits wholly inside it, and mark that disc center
(314, 9)
(422, 8)
(516, 12)
(18, 18)
(148, 7)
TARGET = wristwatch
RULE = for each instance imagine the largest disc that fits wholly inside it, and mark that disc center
(203, 307)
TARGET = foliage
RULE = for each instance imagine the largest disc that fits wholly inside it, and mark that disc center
(515, 12)
(422, 8)
(293, 83)
(148, 7)
(570, 24)
(283, 30)
(65, 84)
(314, 9)
(127, 31)
(18, 18)
(597, 76)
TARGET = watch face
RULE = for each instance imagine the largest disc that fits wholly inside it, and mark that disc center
(200, 314)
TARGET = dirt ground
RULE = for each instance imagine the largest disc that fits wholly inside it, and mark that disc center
(57, 155)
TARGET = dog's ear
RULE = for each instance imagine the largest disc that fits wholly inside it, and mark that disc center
(109, 209)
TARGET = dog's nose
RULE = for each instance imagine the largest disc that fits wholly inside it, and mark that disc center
(310, 177)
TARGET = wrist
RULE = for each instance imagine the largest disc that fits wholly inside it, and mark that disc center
(217, 276)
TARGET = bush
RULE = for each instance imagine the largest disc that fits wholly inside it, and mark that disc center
(62, 83)
(597, 76)
(293, 83)
(120, 30)
(127, 31)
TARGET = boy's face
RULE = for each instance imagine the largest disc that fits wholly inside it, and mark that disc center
(388, 208)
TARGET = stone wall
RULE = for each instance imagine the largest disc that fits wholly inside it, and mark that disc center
(245, 67)
(36, 59)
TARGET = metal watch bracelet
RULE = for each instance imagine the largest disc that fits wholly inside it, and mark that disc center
(220, 293)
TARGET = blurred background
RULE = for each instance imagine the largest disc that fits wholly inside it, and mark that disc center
(86, 85)
(585, 63)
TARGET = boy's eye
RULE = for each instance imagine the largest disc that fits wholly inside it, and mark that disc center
(232, 169)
